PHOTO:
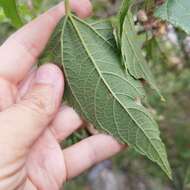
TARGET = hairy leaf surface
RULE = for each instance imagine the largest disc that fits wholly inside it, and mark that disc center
(52, 52)
(176, 12)
(99, 89)
(104, 28)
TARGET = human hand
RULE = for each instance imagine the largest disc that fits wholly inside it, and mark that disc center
(31, 121)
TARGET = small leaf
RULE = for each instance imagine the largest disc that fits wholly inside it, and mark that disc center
(176, 12)
(121, 17)
(133, 58)
(10, 9)
(99, 89)
(132, 54)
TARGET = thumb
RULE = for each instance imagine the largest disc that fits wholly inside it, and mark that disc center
(22, 123)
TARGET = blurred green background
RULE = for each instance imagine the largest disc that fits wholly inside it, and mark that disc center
(168, 53)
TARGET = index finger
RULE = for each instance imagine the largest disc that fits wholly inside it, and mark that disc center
(92, 150)
(20, 51)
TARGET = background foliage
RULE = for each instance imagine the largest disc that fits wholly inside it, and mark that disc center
(168, 51)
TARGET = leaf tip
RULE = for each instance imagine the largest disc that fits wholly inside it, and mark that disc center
(163, 99)
(169, 174)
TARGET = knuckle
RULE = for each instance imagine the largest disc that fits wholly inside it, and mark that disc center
(40, 101)
(92, 156)
(29, 47)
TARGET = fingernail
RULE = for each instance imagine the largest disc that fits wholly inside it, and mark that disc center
(50, 74)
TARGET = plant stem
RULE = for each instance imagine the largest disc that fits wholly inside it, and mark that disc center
(67, 7)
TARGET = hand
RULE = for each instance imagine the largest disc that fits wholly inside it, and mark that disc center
(31, 120)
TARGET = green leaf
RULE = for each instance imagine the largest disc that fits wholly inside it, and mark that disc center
(133, 57)
(99, 89)
(176, 12)
(10, 9)
(103, 26)
(3, 17)
(52, 52)
(121, 17)
(111, 107)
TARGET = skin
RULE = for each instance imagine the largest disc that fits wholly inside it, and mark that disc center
(32, 120)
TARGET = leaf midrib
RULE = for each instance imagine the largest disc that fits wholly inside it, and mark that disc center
(105, 83)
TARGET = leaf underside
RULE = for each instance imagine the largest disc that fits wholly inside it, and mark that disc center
(99, 89)
(176, 12)
(53, 49)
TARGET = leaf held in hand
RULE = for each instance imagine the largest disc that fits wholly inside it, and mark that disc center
(99, 89)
